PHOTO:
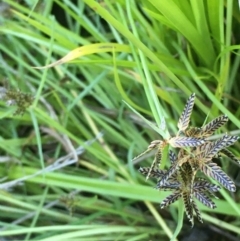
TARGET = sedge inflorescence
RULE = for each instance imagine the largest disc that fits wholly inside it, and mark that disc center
(194, 153)
(16, 98)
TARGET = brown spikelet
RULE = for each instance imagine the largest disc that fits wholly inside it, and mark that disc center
(203, 151)
(195, 163)
(230, 155)
(171, 199)
(212, 126)
(202, 185)
(187, 111)
(181, 154)
(197, 211)
(186, 174)
(186, 170)
(209, 149)
(185, 141)
(172, 157)
(154, 172)
(193, 132)
(230, 140)
(187, 200)
(153, 145)
(204, 199)
(213, 170)
(172, 183)
(212, 148)
(172, 170)
(157, 160)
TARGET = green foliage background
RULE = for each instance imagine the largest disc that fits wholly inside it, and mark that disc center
(176, 48)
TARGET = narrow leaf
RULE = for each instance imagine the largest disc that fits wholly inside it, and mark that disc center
(153, 126)
(87, 50)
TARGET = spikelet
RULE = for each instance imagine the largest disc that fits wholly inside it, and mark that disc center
(171, 199)
(213, 170)
(172, 157)
(230, 155)
(204, 199)
(214, 125)
(180, 142)
(157, 159)
(202, 185)
(187, 200)
(186, 114)
(153, 145)
(197, 211)
(153, 173)
(193, 132)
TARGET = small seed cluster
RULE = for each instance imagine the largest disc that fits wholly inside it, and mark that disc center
(195, 153)
(17, 98)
